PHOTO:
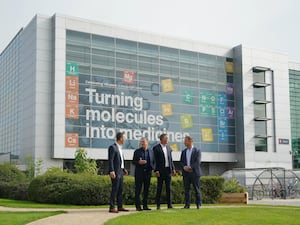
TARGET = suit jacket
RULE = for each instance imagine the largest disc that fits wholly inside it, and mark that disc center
(160, 158)
(195, 161)
(114, 159)
(138, 153)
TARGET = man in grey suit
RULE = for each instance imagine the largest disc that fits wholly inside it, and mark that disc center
(164, 168)
(190, 161)
(116, 172)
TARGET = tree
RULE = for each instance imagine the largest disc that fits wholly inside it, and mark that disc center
(83, 164)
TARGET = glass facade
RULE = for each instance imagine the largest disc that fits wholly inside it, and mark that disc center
(294, 77)
(10, 101)
(143, 89)
(260, 114)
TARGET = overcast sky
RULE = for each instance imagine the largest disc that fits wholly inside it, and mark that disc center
(265, 24)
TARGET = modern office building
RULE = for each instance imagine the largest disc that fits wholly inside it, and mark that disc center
(294, 75)
(69, 83)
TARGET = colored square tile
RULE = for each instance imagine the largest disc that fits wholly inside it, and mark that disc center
(128, 77)
(72, 111)
(167, 85)
(186, 121)
(72, 69)
(229, 67)
(167, 109)
(207, 135)
(174, 147)
(71, 139)
(188, 97)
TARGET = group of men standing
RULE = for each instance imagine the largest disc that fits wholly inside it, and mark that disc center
(158, 159)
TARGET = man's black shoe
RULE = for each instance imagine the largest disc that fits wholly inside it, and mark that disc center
(113, 210)
(158, 207)
(123, 210)
(139, 209)
(170, 207)
(146, 208)
(186, 207)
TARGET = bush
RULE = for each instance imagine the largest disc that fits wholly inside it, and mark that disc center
(13, 182)
(233, 186)
(211, 188)
(56, 186)
(11, 190)
(10, 173)
(83, 164)
(67, 188)
(85, 189)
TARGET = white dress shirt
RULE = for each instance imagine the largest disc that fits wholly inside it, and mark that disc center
(164, 148)
(188, 156)
(121, 154)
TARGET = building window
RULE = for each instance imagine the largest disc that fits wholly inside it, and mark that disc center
(261, 145)
(294, 78)
(260, 108)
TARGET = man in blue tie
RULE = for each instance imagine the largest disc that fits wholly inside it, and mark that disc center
(190, 161)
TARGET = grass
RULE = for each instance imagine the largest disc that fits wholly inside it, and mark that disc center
(28, 204)
(249, 215)
(209, 215)
(21, 218)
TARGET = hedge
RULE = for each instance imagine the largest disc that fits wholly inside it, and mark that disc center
(10, 173)
(13, 182)
(85, 189)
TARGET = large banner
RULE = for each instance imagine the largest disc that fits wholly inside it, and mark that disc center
(98, 106)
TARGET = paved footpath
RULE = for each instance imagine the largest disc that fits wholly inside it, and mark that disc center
(96, 216)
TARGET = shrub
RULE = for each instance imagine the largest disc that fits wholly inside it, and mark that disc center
(10, 173)
(128, 190)
(11, 190)
(13, 182)
(83, 164)
(211, 188)
(32, 168)
(233, 186)
(67, 188)
(83, 189)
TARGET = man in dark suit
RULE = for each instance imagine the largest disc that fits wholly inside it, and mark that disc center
(164, 168)
(190, 161)
(116, 172)
(143, 159)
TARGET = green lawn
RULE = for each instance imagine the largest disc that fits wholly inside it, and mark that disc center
(249, 215)
(22, 218)
(218, 214)
(28, 204)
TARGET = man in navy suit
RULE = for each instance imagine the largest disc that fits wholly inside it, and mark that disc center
(164, 168)
(143, 159)
(190, 161)
(116, 172)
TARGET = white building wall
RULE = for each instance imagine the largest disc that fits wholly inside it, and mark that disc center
(37, 104)
(28, 87)
(44, 94)
(294, 65)
(278, 155)
(58, 79)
